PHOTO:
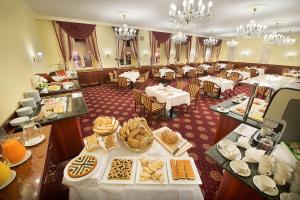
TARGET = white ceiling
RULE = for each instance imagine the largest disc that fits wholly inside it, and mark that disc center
(153, 14)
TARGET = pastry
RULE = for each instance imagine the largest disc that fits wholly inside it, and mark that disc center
(92, 143)
(136, 134)
(82, 166)
(169, 137)
(120, 169)
(182, 169)
(105, 125)
(152, 170)
(110, 142)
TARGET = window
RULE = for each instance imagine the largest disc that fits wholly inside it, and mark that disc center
(81, 55)
(126, 59)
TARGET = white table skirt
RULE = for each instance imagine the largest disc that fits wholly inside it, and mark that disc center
(132, 76)
(163, 71)
(222, 65)
(186, 69)
(171, 96)
(205, 66)
(92, 189)
(224, 84)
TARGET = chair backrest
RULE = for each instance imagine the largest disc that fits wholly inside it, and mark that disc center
(146, 75)
(200, 69)
(209, 86)
(230, 66)
(115, 74)
(111, 76)
(263, 91)
(193, 89)
(222, 74)
(147, 101)
(217, 68)
(123, 82)
(137, 95)
(193, 73)
(180, 85)
(169, 76)
(253, 72)
(210, 70)
(179, 71)
(237, 75)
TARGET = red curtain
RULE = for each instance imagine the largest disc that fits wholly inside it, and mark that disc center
(217, 49)
(134, 48)
(67, 32)
(200, 49)
(188, 49)
(157, 38)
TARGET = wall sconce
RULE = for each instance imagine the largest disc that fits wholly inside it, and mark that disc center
(245, 53)
(107, 54)
(291, 55)
(38, 58)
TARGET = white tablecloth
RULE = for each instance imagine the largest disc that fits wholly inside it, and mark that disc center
(272, 81)
(92, 189)
(243, 73)
(260, 71)
(169, 95)
(221, 82)
(294, 74)
(163, 71)
(205, 66)
(132, 76)
(186, 69)
(222, 65)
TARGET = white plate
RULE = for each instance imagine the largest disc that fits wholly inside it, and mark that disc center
(224, 153)
(197, 180)
(234, 169)
(256, 181)
(11, 178)
(19, 120)
(139, 170)
(222, 111)
(34, 141)
(26, 157)
(108, 168)
(71, 179)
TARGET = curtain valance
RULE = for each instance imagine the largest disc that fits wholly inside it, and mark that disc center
(77, 30)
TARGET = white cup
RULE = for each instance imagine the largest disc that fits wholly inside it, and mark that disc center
(281, 179)
(266, 165)
(266, 183)
(283, 168)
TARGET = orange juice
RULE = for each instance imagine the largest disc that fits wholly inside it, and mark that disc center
(5, 173)
(13, 150)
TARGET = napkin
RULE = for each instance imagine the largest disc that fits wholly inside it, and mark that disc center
(245, 130)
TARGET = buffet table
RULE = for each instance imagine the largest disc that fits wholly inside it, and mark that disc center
(132, 76)
(91, 188)
(74, 88)
(169, 95)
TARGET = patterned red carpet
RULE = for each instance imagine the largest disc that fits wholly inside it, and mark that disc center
(198, 125)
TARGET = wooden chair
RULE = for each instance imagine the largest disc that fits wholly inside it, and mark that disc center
(222, 74)
(263, 91)
(211, 88)
(123, 82)
(112, 78)
(194, 90)
(235, 80)
(152, 106)
(238, 76)
(169, 76)
(217, 68)
(192, 73)
(143, 78)
(179, 73)
(155, 73)
(115, 73)
(230, 66)
(180, 85)
(200, 70)
(211, 70)
(253, 72)
(137, 98)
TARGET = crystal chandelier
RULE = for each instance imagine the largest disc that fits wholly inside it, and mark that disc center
(278, 39)
(124, 32)
(190, 13)
(179, 38)
(210, 42)
(232, 43)
(252, 29)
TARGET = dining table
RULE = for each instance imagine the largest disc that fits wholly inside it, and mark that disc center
(92, 188)
(187, 68)
(222, 65)
(206, 66)
(260, 71)
(131, 75)
(169, 95)
(224, 84)
(292, 73)
(163, 72)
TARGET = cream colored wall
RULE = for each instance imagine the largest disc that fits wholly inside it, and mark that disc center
(22, 37)
(144, 48)
(251, 50)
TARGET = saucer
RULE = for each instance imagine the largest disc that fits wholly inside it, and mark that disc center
(256, 181)
(243, 142)
(34, 141)
(26, 157)
(225, 153)
(233, 166)
(12, 177)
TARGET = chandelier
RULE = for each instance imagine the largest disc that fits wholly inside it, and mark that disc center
(232, 43)
(191, 13)
(278, 39)
(179, 38)
(252, 29)
(210, 42)
(124, 32)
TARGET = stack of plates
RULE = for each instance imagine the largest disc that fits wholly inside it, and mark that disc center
(18, 121)
(21, 112)
(33, 94)
(28, 102)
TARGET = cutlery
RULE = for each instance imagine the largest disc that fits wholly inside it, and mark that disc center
(179, 146)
